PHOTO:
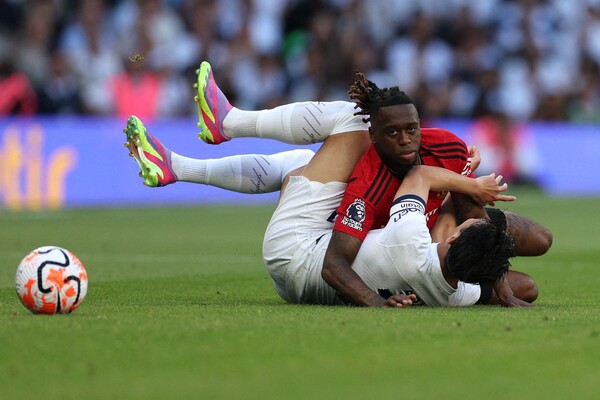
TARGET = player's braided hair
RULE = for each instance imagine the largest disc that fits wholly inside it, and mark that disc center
(481, 253)
(369, 98)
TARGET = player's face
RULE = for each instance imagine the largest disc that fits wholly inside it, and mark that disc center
(396, 133)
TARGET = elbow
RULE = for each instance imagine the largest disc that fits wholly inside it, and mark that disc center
(326, 272)
(545, 239)
(541, 243)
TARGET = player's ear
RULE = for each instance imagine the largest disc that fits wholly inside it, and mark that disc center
(452, 238)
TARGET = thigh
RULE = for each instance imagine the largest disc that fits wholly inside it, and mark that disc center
(337, 157)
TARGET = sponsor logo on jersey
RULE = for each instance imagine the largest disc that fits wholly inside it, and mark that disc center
(355, 215)
(430, 213)
(467, 168)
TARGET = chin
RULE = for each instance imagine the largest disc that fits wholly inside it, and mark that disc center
(407, 163)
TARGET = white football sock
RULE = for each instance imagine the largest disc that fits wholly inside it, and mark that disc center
(296, 123)
(245, 173)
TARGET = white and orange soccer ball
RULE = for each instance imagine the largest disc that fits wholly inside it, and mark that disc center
(51, 280)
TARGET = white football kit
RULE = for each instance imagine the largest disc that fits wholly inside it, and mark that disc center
(399, 258)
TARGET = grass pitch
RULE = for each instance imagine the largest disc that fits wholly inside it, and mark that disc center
(180, 306)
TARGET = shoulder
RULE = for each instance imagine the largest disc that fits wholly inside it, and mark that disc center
(371, 157)
(368, 166)
(440, 136)
(372, 181)
(440, 146)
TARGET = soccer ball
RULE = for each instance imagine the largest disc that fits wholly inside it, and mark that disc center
(51, 280)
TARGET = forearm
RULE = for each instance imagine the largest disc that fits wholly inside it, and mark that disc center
(338, 273)
(445, 222)
(505, 295)
(467, 207)
(422, 179)
(441, 180)
(503, 290)
(350, 286)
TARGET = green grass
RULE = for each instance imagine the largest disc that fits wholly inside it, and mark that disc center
(188, 311)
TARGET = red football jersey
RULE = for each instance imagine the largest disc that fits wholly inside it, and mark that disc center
(372, 187)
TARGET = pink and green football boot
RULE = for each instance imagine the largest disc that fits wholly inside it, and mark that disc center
(152, 157)
(213, 106)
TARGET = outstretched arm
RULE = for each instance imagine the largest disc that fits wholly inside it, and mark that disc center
(338, 273)
(421, 179)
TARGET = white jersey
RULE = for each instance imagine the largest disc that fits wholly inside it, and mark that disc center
(399, 258)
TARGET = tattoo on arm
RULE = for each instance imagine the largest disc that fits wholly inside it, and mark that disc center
(520, 228)
(467, 207)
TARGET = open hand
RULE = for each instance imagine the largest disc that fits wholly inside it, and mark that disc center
(490, 190)
(400, 300)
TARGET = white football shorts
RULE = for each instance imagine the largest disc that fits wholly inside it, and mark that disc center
(297, 237)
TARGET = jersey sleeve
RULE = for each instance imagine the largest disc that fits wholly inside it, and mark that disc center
(466, 294)
(355, 216)
(463, 163)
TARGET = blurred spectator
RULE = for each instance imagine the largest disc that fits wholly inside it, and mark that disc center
(136, 91)
(523, 59)
(505, 147)
(59, 94)
(585, 106)
(152, 28)
(16, 93)
(259, 83)
(419, 58)
(32, 45)
(89, 45)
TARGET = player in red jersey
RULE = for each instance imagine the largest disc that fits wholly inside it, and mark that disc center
(396, 147)
(398, 144)
(372, 185)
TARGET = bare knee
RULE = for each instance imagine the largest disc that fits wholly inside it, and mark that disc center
(530, 292)
(523, 286)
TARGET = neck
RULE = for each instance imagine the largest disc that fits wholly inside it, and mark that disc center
(400, 171)
(442, 250)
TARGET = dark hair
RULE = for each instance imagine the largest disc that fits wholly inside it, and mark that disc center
(370, 98)
(481, 253)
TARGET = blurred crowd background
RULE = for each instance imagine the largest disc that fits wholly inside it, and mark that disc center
(518, 60)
